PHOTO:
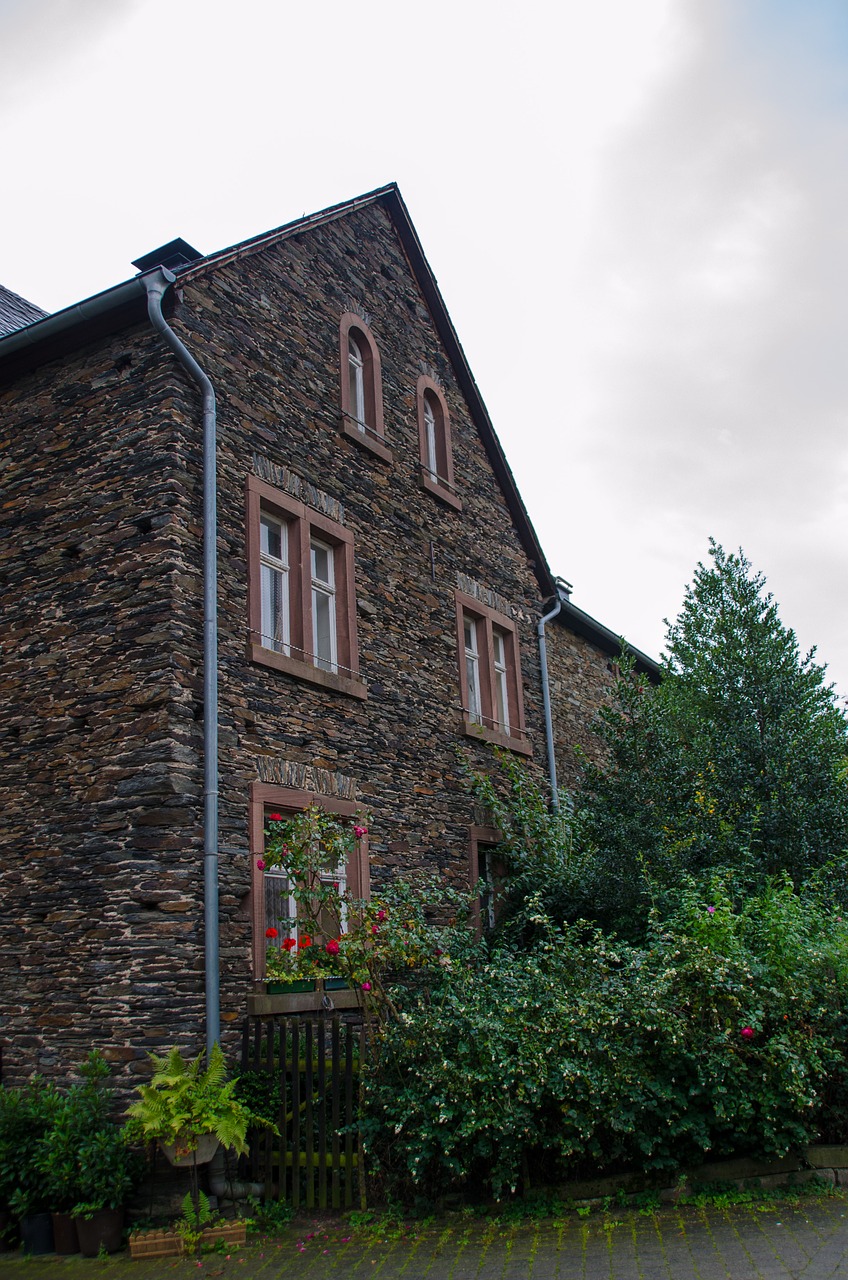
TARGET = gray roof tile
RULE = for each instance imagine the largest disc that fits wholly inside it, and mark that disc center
(16, 312)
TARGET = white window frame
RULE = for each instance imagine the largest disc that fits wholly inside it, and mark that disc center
(356, 373)
(501, 681)
(324, 589)
(430, 438)
(472, 668)
(278, 567)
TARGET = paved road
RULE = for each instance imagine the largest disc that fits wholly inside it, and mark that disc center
(808, 1241)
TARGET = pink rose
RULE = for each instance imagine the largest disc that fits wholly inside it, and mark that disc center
(366, 986)
(747, 1033)
(710, 911)
(381, 915)
(359, 832)
(260, 864)
(332, 947)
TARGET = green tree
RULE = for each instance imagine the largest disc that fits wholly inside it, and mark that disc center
(738, 759)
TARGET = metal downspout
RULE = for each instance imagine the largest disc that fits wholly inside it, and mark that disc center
(546, 700)
(156, 284)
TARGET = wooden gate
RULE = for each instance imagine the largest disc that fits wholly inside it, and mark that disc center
(310, 1063)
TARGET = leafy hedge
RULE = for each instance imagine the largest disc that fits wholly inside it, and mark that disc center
(726, 1031)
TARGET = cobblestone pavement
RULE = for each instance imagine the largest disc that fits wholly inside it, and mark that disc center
(808, 1240)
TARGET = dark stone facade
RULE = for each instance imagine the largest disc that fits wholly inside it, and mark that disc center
(101, 930)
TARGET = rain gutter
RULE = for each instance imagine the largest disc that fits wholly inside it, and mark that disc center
(156, 283)
(546, 698)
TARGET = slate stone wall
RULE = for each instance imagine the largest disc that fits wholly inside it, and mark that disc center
(581, 679)
(98, 746)
(100, 758)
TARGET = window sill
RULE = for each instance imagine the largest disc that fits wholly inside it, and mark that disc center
(472, 729)
(306, 671)
(364, 439)
(439, 491)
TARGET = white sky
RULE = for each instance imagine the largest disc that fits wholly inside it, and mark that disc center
(636, 212)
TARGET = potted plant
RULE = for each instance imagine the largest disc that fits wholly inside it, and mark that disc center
(83, 1158)
(189, 1110)
(108, 1171)
(26, 1115)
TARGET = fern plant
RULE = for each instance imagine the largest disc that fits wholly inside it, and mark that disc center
(184, 1101)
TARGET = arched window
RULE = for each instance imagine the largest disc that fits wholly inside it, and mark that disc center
(434, 433)
(361, 386)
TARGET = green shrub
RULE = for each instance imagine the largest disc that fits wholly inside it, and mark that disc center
(718, 1035)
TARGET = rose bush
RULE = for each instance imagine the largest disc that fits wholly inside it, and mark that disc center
(724, 1033)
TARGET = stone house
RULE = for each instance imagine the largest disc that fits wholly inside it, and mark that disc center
(261, 547)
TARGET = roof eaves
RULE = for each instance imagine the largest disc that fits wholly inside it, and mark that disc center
(71, 328)
(583, 624)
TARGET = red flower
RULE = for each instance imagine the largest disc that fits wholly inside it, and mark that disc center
(271, 933)
(276, 817)
(381, 915)
(747, 1033)
(305, 941)
(260, 864)
(359, 832)
(289, 944)
(332, 947)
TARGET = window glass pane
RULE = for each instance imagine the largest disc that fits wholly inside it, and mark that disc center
(274, 609)
(357, 381)
(487, 886)
(322, 563)
(323, 607)
(472, 671)
(501, 696)
(272, 537)
(280, 910)
(430, 434)
(323, 628)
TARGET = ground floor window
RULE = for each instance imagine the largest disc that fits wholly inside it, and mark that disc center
(273, 906)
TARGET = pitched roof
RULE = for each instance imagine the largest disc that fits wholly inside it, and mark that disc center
(126, 304)
(16, 312)
(48, 337)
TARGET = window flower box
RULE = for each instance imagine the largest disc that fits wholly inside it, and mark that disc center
(290, 988)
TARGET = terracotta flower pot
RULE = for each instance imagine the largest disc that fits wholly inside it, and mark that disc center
(103, 1230)
(65, 1238)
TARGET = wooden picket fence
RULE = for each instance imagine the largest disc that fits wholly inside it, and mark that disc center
(311, 1063)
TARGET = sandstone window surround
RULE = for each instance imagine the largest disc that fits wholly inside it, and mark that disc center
(490, 675)
(301, 591)
(434, 435)
(361, 386)
(270, 901)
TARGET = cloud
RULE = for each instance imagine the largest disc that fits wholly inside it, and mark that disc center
(39, 35)
(714, 302)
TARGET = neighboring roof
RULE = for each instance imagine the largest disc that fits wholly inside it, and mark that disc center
(48, 338)
(583, 624)
(16, 312)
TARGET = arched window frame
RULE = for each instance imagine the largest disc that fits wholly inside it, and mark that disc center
(367, 431)
(429, 395)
